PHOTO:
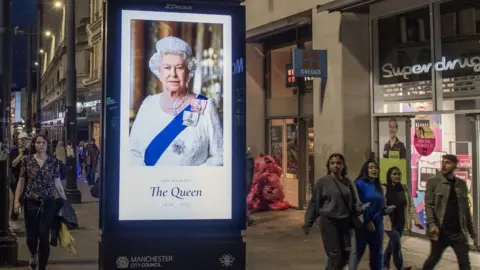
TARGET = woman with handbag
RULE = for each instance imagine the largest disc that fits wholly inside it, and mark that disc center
(334, 201)
(39, 176)
(371, 232)
(400, 218)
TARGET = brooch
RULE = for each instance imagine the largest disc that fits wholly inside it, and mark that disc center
(198, 106)
(178, 147)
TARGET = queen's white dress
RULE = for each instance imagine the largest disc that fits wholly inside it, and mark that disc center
(161, 139)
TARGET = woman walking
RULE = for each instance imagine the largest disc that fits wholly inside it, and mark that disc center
(39, 177)
(398, 195)
(334, 201)
(371, 232)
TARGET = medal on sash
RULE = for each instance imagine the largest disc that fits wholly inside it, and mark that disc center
(190, 118)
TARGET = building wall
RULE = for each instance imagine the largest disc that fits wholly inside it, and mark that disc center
(54, 62)
(343, 124)
(261, 12)
(255, 99)
(342, 111)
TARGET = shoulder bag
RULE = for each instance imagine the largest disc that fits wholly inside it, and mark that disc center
(356, 222)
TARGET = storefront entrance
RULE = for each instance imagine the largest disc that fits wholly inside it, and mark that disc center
(291, 144)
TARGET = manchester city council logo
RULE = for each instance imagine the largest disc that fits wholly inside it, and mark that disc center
(122, 262)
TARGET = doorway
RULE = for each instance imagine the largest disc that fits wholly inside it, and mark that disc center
(283, 147)
(291, 144)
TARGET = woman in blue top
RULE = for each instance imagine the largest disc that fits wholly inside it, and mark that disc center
(371, 233)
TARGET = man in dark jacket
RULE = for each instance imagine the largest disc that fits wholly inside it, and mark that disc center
(449, 221)
(91, 154)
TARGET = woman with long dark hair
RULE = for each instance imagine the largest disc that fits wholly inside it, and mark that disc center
(398, 195)
(371, 231)
(334, 201)
(39, 175)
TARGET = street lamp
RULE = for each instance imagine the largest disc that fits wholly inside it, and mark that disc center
(36, 64)
(73, 193)
(48, 33)
(41, 51)
(57, 4)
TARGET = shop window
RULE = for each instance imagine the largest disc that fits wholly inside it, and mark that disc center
(403, 54)
(448, 133)
(458, 66)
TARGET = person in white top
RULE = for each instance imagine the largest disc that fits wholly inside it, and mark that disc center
(176, 127)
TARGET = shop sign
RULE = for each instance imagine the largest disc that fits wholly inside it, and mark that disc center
(90, 104)
(310, 63)
(464, 162)
(389, 71)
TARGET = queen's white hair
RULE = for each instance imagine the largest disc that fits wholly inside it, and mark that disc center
(173, 45)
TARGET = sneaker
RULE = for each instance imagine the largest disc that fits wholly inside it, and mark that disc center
(33, 261)
(15, 226)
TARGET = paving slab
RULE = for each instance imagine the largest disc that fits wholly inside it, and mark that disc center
(274, 243)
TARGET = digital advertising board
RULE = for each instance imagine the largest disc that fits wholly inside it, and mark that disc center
(173, 116)
(173, 135)
(175, 148)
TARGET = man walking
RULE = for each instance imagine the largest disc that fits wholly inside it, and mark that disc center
(449, 221)
(91, 154)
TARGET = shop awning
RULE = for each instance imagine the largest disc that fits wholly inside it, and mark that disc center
(358, 6)
(276, 27)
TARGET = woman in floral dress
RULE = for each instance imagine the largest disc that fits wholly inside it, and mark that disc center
(39, 176)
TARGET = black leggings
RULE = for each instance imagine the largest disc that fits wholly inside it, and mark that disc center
(336, 241)
(39, 218)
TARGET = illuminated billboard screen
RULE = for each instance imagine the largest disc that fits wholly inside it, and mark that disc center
(175, 116)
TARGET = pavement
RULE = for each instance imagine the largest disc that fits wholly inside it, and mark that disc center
(275, 242)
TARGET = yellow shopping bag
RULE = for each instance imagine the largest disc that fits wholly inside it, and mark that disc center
(66, 240)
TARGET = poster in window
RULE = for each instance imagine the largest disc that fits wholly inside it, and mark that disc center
(292, 149)
(276, 148)
(392, 138)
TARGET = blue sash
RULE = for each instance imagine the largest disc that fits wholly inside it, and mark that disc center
(160, 143)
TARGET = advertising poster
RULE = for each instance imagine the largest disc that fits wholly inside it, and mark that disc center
(276, 142)
(464, 172)
(292, 149)
(388, 164)
(424, 140)
(176, 92)
(426, 153)
(392, 138)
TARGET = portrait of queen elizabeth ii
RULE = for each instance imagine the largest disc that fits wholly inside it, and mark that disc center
(176, 127)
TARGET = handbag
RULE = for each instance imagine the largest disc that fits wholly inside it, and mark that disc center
(356, 222)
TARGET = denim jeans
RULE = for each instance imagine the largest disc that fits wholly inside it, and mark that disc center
(352, 260)
(394, 249)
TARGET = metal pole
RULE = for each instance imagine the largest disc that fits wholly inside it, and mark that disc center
(8, 243)
(29, 79)
(72, 191)
(38, 102)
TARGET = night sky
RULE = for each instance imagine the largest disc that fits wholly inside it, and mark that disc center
(23, 14)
